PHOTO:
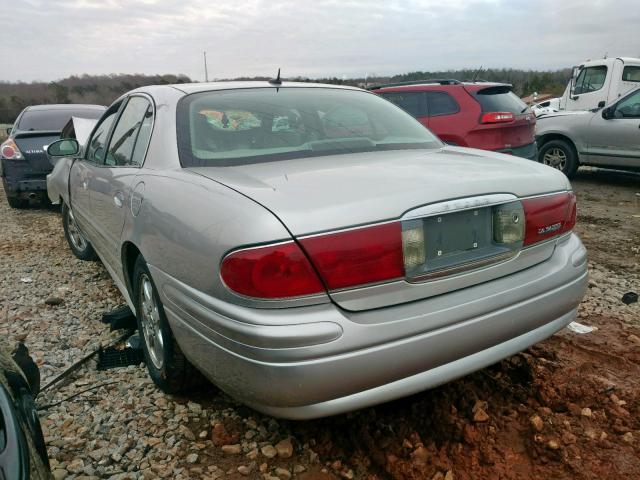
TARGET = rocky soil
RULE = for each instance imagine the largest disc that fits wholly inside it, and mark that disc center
(568, 408)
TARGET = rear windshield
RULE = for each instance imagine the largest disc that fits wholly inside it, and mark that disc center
(53, 120)
(500, 99)
(234, 127)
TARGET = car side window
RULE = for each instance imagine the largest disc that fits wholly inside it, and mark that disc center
(441, 103)
(97, 146)
(411, 102)
(126, 133)
(628, 107)
(590, 79)
(631, 74)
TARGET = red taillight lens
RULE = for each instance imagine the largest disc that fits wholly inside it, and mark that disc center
(358, 257)
(10, 150)
(274, 271)
(497, 117)
(548, 216)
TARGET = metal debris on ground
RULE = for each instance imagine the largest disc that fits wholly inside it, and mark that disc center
(629, 298)
(580, 328)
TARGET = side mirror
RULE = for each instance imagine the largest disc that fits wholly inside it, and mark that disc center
(66, 147)
(601, 104)
(607, 113)
(9, 129)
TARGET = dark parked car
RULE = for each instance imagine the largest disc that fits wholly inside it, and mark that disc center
(24, 164)
(23, 454)
(481, 115)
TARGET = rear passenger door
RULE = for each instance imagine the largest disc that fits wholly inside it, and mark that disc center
(414, 103)
(111, 190)
(441, 106)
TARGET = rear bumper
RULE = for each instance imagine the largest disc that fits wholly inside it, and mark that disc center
(19, 177)
(315, 361)
(529, 151)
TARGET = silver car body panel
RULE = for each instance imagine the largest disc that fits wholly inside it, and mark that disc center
(281, 356)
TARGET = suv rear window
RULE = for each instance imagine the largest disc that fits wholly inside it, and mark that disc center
(53, 120)
(500, 99)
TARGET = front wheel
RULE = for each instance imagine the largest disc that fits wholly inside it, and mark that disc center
(167, 365)
(78, 243)
(560, 155)
(16, 202)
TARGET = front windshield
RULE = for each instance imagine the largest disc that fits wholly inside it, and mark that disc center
(232, 127)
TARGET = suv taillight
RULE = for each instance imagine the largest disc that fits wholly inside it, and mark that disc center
(548, 216)
(10, 150)
(497, 117)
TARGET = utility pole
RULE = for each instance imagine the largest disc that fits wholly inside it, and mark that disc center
(206, 73)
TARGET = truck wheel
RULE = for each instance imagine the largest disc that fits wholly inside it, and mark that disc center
(559, 154)
(168, 367)
(15, 202)
(78, 243)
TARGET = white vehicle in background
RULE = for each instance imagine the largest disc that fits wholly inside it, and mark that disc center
(597, 83)
(548, 106)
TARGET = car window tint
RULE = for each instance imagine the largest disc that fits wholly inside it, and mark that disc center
(631, 74)
(53, 120)
(500, 99)
(411, 102)
(140, 149)
(441, 103)
(590, 79)
(629, 107)
(97, 146)
(126, 132)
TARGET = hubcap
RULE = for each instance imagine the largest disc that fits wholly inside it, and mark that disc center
(75, 235)
(150, 320)
(556, 158)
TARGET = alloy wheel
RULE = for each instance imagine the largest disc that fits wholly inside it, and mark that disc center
(75, 235)
(150, 321)
(556, 158)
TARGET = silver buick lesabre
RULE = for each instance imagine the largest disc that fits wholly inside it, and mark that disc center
(313, 249)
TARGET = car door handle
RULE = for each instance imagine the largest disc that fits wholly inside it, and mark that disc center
(118, 199)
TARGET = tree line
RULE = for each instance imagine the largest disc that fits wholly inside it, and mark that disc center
(104, 89)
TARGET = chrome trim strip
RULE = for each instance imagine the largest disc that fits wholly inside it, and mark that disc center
(459, 205)
(464, 267)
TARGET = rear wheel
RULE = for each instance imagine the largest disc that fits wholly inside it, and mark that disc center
(78, 243)
(560, 155)
(167, 365)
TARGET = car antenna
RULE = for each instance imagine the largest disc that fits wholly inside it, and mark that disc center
(475, 75)
(276, 81)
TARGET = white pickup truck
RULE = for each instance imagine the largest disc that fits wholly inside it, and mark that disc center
(594, 84)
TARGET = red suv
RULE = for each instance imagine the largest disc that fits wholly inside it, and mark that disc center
(468, 114)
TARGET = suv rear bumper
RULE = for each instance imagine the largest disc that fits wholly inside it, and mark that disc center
(337, 361)
(529, 151)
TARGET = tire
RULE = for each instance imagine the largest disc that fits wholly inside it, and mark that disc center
(560, 155)
(78, 243)
(168, 367)
(15, 202)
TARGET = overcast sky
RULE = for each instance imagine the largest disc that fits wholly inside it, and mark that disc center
(52, 39)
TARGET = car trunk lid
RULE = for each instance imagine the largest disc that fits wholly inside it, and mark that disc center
(33, 145)
(319, 195)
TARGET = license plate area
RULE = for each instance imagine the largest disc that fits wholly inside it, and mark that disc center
(459, 241)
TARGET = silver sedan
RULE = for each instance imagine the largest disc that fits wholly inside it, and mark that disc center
(313, 249)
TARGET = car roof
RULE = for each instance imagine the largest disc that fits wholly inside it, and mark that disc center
(65, 106)
(233, 85)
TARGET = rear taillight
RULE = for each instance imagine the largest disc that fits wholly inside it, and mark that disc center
(358, 257)
(273, 271)
(10, 150)
(344, 259)
(497, 117)
(548, 216)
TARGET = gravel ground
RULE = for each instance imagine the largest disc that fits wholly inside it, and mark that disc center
(567, 408)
